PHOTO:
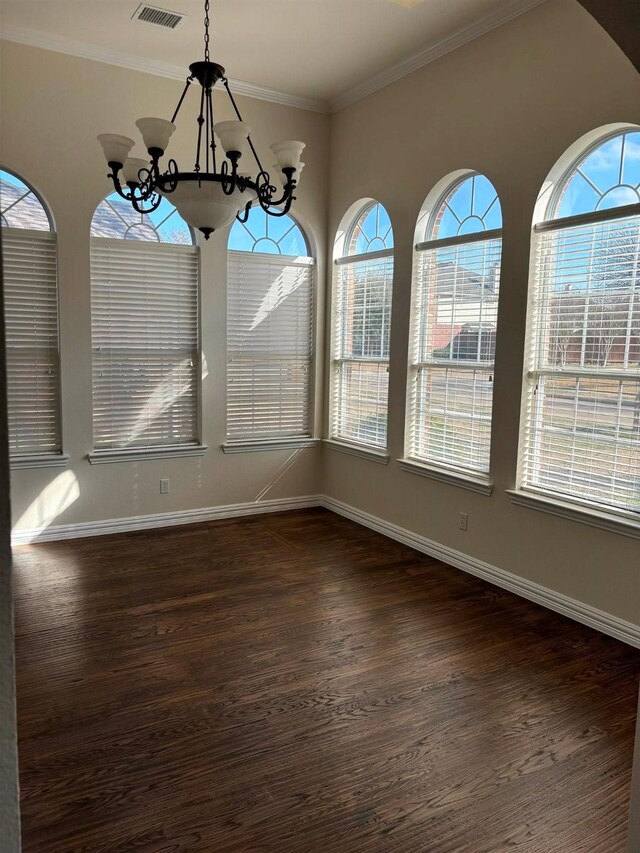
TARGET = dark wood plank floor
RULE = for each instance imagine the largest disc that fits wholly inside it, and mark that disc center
(296, 683)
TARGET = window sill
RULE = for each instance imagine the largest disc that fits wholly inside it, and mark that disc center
(102, 457)
(380, 456)
(45, 460)
(576, 512)
(479, 484)
(256, 445)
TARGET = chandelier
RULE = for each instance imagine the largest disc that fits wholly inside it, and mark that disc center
(215, 191)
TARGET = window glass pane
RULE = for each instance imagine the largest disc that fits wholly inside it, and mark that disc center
(274, 235)
(453, 417)
(115, 217)
(608, 176)
(20, 207)
(471, 206)
(371, 232)
(585, 439)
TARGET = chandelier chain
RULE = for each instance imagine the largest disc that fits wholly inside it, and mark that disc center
(206, 31)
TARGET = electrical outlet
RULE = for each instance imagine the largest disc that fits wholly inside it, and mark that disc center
(164, 487)
(463, 521)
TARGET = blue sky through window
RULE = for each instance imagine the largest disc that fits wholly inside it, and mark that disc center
(372, 231)
(116, 218)
(19, 205)
(471, 206)
(273, 235)
(607, 177)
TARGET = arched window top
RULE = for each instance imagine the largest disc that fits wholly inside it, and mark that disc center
(272, 235)
(371, 231)
(470, 205)
(20, 205)
(607, 176)
(117, 219)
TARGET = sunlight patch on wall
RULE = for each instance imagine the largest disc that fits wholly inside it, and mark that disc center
(52, 501)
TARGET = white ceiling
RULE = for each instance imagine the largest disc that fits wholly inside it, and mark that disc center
(316, 49)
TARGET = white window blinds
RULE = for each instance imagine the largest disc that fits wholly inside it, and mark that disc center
(145, 341)
(269, 346)
(360, 368)
(452, 347)
(581, 425)
(31, 317)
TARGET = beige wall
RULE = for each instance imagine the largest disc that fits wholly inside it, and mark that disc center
(9, 807)
(53, 106)
(508, 105)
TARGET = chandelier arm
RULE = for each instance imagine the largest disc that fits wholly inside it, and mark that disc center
(225, 83)
(115, 168)
(167, 181)
(154, 205)
(148, 181)
(286, 196)
(244, 217)
(184, 92)
(229, 185)
(269, 208)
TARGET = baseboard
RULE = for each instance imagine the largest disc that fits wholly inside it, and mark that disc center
(627, 632)
(161, 519)
(577, 610)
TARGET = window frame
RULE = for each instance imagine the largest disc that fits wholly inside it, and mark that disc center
(57, 458)
(531, 496)
(462, 476)
(356, 214)
(250, 444)
(104, 455)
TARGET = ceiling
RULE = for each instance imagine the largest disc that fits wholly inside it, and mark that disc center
(316, 49)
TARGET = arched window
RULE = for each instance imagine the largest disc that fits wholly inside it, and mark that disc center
(581, 419)
(270, 284)
(362, 289)
(453, 327)
(145, 332)
(31, 317)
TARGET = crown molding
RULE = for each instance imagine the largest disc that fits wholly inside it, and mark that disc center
(511, 9)
(84, 50)
(62, 44)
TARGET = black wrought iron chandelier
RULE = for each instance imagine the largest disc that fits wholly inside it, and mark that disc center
(207, 198)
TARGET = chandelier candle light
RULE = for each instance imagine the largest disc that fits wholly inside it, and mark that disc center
(207, 199)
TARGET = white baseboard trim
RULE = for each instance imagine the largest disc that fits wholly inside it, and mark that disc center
(577, 610)
(161, 519)
(627, 632)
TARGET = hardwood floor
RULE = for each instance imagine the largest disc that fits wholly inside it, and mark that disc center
(296, 683)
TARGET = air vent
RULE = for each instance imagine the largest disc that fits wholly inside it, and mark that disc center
(161, 17)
